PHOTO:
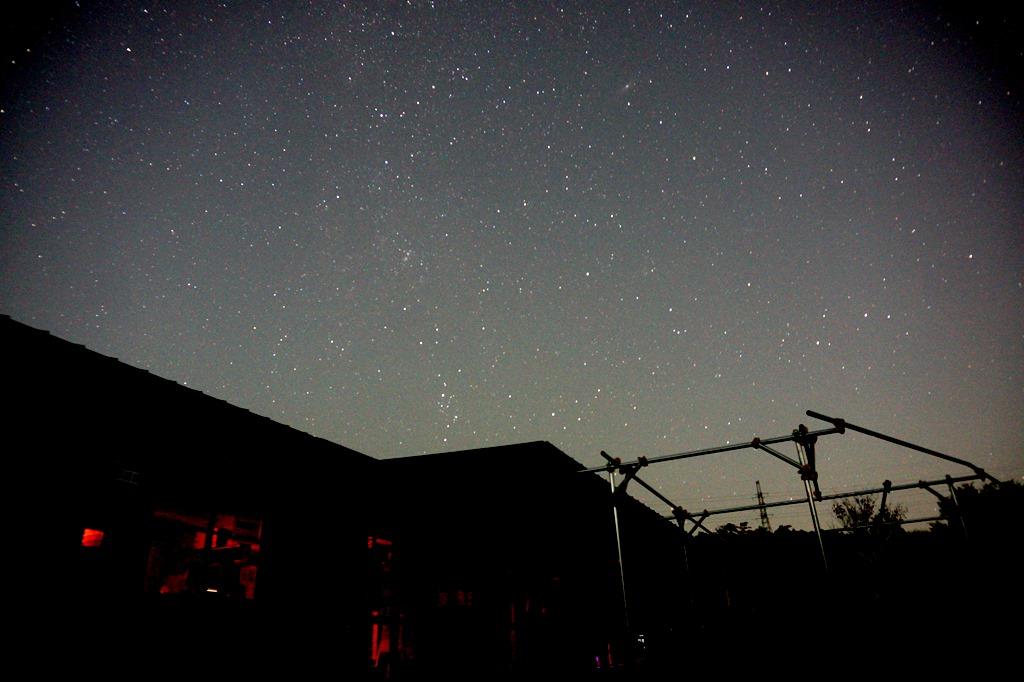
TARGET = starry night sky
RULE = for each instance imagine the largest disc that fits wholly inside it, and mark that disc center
(636, 227)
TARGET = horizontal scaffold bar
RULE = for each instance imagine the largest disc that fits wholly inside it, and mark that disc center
(836, 496)
(709, 451)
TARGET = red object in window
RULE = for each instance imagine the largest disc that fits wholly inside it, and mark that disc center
(92, 537)
(380, 642)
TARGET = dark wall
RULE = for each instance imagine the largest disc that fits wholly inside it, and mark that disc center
(533, 539)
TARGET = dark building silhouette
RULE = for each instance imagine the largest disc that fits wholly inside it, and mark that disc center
(161, 520)
(506, 562)
(158, 527)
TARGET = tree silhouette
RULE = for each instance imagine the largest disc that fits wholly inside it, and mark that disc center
(859, 513)
(733, 529)
(991, 512)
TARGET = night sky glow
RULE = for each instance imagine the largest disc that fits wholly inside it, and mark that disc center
(636, 227)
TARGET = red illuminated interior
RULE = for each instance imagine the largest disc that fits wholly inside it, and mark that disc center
(206, 553)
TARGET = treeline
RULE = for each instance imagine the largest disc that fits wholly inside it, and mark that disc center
(885, 592)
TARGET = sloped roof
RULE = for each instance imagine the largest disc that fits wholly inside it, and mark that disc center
(73, 410)
(41, 357)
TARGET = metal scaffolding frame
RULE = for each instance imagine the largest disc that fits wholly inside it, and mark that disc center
(805, 465)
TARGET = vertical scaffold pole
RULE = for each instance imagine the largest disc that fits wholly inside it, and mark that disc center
(813, 509)
(618, 547)
(956, 504)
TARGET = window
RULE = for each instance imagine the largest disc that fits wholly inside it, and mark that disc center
(208, 553)
(92, 538)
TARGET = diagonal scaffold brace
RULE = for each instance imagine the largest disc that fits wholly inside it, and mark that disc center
(629, 473)
(842, 424)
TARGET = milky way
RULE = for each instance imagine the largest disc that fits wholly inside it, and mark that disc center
(421, 227)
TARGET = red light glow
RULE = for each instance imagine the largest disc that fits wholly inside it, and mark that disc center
(92, 537)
